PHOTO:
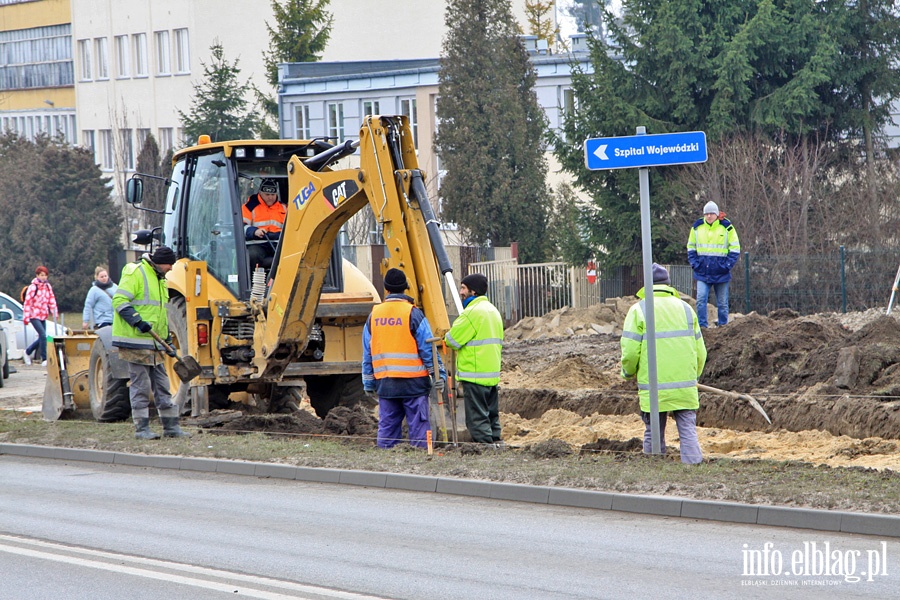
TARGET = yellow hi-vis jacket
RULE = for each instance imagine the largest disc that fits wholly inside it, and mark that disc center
(680, 350)
(395, 352)
(477, 336)
(141, 296)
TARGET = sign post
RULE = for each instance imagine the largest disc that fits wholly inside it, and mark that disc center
(642, 151)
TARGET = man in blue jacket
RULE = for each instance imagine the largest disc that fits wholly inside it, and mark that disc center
(397, 363)
(713, 249)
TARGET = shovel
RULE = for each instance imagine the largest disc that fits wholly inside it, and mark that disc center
(185, 367)
(439, 396)
(756, 405)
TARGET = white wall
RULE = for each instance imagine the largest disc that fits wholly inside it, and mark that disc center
(391, 29)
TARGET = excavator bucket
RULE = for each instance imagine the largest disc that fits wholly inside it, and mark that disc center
(66, 390)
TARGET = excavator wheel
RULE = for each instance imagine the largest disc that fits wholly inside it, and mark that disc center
(109, 396)
(327, 391)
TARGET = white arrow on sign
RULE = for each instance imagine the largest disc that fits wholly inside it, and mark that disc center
(600, 152)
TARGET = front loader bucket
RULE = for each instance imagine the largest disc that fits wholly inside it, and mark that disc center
(66, 390)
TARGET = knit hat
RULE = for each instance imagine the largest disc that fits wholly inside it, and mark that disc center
(476, 282)
(710, 207)
(268, 186)
(42, 269)
(660, 275)
(163, 256)
(395, 281)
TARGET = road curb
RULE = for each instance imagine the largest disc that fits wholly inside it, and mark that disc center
(727, 512)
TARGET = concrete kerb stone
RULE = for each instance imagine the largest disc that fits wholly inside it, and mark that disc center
(777, 516)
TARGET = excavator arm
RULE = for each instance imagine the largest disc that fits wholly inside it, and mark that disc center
(321, 201)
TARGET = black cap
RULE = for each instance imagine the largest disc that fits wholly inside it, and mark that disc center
(476, 282)
(163, 256)
(395, 281)
(268, 186)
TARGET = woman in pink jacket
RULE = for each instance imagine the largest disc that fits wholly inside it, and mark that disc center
(40, 303)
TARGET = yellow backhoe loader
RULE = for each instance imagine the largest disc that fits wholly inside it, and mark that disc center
(261, 336)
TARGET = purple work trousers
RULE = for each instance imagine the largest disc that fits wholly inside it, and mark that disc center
(686, 421)
(390, 421)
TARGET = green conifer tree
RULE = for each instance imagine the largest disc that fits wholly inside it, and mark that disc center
(492, 130)
(218, 108)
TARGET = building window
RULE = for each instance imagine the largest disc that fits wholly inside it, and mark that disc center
(36, 57)
(370, 107)
(127, 149)
(165, 139)
(122, 57)
(106, 149)
(163, 61)
(87, 137)
(84, 59)
(142, 135)
(182, 51)
(336, 121)
(568, 101)
(100, 46)
(302, 122)
(140, 54)
(408, 109)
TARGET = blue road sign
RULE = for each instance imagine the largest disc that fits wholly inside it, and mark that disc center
(656, 150)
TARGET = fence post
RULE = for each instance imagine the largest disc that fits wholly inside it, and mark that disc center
(843, 281)
(747, 282)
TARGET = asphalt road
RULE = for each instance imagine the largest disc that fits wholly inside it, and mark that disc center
(300, 540)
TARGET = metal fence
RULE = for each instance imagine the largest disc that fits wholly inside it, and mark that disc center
(840, 281)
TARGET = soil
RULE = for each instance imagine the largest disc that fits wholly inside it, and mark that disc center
(829, 382)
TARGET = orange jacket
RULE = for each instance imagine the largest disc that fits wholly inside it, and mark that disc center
(258, 215)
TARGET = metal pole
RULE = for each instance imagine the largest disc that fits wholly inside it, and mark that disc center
(649, 316)
(843, 280)
(747, 282)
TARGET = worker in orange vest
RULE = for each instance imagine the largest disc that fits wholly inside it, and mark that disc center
(397, 360)
(263, 221)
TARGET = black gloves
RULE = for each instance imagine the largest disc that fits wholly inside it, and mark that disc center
(143, 326)
(170, 350)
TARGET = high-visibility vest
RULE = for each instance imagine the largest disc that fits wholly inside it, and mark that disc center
(260, 215)
(395, 352)
(143, 289)
(477, 336)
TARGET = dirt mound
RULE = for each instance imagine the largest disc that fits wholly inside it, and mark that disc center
(300, 422)
(835, 373)
(356, 421)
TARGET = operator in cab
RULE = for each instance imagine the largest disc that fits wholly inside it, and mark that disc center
(263, 220)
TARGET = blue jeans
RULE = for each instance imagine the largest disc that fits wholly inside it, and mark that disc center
(40, 344)
(703, 289)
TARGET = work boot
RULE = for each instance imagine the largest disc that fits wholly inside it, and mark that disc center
(171, 428)
(142, 429)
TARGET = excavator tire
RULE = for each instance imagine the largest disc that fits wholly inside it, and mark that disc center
(109, 396)
(327, 391)
(176, 313)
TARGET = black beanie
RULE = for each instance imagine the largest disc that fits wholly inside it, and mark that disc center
(395, 281)
(476, 282)
(163, 256)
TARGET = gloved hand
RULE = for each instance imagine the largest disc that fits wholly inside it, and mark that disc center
(143, 326)
(170, 350)
(371, 394)
(440, 385)
(627, 376)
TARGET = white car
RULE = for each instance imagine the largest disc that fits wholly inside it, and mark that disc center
(20, 335)
(5, 316)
